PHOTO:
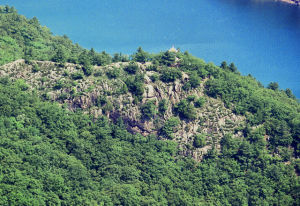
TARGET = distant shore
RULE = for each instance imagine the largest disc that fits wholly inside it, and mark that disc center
(295, 2)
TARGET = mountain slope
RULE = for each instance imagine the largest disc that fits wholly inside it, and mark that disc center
(161, 129)
(50, 156)
(104, 95)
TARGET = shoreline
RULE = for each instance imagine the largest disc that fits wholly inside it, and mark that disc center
(294, 2)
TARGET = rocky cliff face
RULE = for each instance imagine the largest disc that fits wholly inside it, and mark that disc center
(98, 94)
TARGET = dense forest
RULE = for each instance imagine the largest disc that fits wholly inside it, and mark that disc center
(79, 127)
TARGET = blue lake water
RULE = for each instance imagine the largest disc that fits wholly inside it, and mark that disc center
(262, 37)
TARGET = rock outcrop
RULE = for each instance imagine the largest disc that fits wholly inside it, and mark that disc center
(99, 95)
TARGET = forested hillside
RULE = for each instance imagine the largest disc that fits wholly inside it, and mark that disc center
(26, 38)
(79, 127)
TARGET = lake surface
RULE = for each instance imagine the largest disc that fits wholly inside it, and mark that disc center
(261, 37)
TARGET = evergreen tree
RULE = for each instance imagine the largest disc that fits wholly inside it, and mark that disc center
(273, 86)
(141, 55)
(60, 55)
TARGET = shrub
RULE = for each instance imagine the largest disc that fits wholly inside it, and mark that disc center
(136, 85)
(141, 55)
(279, 132)
(63, 96)
(151, 68)
(108, 107)
(170, 74)
(273, 86)
(154, 77)
(148, 110)
(58, 85)
(167, 58)
(113, 73)
(77, 75)
(170, 127)
(132, 68)
(66, 73)
(102, 59)
(20, 83)
(119, 57)
(199, 140)
(187, 86)
(185, 110)
(87, 70)
(35, 68)
(98, 74)
(191, 98)
(200, 102)
(123, 89)
(195, 80)
(101, 100)
(163, 106)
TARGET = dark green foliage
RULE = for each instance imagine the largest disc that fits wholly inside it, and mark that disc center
(154, 77)
(59, 85)
(295, 128)
(273, 86)
(224, 65)
(101, 59)
(199, 140)
(162, 106)
(132, 68)
(7, 9)
(141, 56)
(98, 73)
(170, 127)
(108, 107)
(35, 42)
(233, 68)
(87, 70)
(77, 75)
(119, 57)
(84, 58)
(191, 63)
(52, 156)
(60, 55)
(211, 70)
(191, 98)
(32, 41)
(170, 74)
(199, 102)
(35, 68)
(279, 131)
(136, 85)
(96, 162)
(186, 86)
(123, 89)
(244, 94)
(22, 84)
(167, 58)
(152, 67)
(63, 97)
(113, 73)
(289, 93)
(194, 80)
(185, 110)
(101, 100)
(148, 110)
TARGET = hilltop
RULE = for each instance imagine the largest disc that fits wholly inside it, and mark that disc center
(80, 127)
